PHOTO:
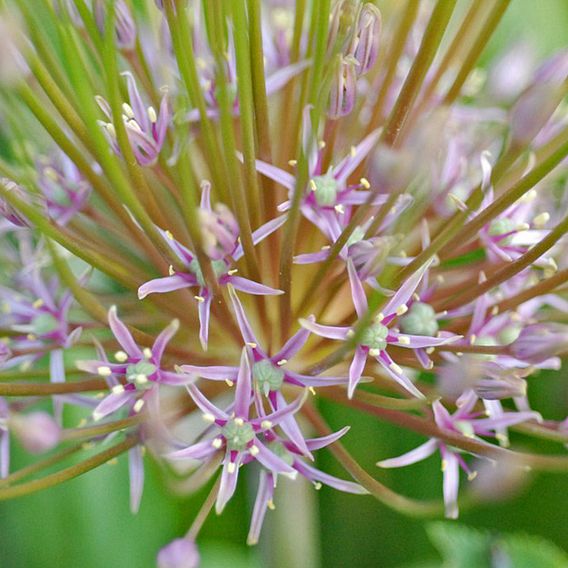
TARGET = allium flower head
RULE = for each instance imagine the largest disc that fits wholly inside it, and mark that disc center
(213, 215)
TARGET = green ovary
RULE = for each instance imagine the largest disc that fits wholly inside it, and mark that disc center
(325, 190)
(267, 376)
(419, 320)
(219, 268)
(280, 450)
(375, 337)
(238, 435)
(44, 323)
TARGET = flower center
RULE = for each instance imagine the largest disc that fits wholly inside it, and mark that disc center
(267, 376)
(500, 227)
(219, 268)
(138, 373)
(238, 434)
(419, 320)
(44, 323)
(325, 190)
(375, 336)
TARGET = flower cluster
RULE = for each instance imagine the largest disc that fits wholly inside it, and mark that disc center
(294, 222)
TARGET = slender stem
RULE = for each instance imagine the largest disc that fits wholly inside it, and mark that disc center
(43, 389)
(428, 48)
(201, 517)
(67, 473)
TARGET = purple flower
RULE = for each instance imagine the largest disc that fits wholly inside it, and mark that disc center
(220, 242)
(145, 128)
(65, 190)
(135, 373)
(238, 435)
(328, 199)
(376, 338)
(180, 553)
(269, 373)
(124, 25)
(38, 432)
(467, 422)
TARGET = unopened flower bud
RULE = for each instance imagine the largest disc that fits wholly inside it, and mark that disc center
(367, 37)
(369, 255)
(342, 21)
(125, 27)
(539, 342)
(500, 388)
(343, 89)
(533, 109)
(180, 553)
(38, 432)
(537, 104)
(220, 231)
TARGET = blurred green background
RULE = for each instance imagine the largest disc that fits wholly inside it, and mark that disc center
(87, 524)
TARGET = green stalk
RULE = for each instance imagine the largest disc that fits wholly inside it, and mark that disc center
(246, 109)
(183, 49)
(67, 473)
(413, 83)
(473, 55)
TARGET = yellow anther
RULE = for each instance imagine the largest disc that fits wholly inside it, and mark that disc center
(121, 356)
(395, 368)
(38, 303)
(253, 450)
(171, 270)
(365, 183)
(152, 114)
(313, 185)
(239, 421)
(147, 352)
(282, 362)
(266, 424)
(200, 299)
(402, 309)
(292, 162)
(541, 220)
(403, 340)
(104, 371)
(251, 344)
(208, 417)
(127, 109)
(231, 468)
(117, 389)
(169, 235)
(217, 443)
(229, 382)
(138, 405)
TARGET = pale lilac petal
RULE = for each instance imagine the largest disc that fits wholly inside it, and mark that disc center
(56, 366)
(162, 285)
(276, 174)
(278, 79)
(251, 287)
(312, 257)
(214, 373)
(136, 102)
(272, 462)
(261, 233)
(123, 335)
(318, 443)
(484, 425)
(404, 293)
(204, 405)
(361, 197)
(136, 474)
(264, 494)
(357, 292)
(175, 379)
(387, 364)
(199, 451)
(413, 456)
(316, 475)
(451, 484)
(227, 486)
(111, 403)
(163, 339)
(422, 341)
(310, 381)
(242, 320)
(442, 416)
(329, 331)
(293, 345)
(204, 312)
(291, 429)
(277, 416)
(349, 164)
(356, 369)
(244, 386)
(4, 453)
